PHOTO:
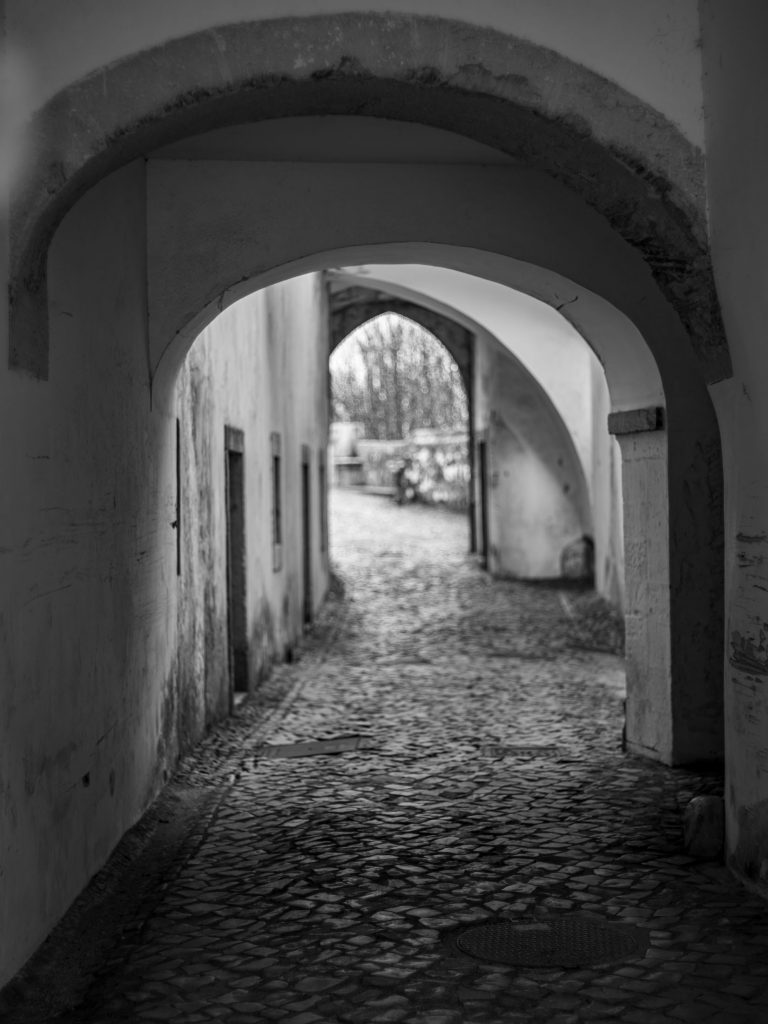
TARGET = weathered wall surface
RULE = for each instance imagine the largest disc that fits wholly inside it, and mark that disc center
(88, 553)
(650, 49)
(559, 359)
(87, 631)
(538, 500)
(605, 485)
(548, 346)
(549, 112)
(261, 368)
(736, 83)
(203, 243)
(95, 701)
(647, 593)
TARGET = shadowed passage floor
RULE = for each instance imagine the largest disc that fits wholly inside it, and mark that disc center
(477, 778)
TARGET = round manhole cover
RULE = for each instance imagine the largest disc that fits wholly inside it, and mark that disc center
(575, 940)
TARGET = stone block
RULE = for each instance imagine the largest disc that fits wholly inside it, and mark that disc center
(704, 827)
(636, 421)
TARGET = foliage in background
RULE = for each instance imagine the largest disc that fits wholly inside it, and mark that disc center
(394, 377)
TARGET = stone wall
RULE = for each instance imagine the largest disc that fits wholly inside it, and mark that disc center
(113, 662)
(433, 464)
(258, 368)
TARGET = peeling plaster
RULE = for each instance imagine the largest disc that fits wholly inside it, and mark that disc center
(619, 155)
(751, 853)
(749, 654)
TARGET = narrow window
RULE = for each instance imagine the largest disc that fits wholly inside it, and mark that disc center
(236, 563)
(277, 504)
(177, 524)
(306, 521)
(322, 497)
(482, 459)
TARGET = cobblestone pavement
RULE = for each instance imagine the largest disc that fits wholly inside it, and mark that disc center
(332, 887)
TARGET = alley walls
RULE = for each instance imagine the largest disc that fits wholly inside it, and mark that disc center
(556, 399)
(537, 494)
(736, 84)
(112, 664)
(88, 632)
(260, 367)
(603, 192)
(650, 49)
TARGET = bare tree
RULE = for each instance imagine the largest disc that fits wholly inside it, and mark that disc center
(393, 377)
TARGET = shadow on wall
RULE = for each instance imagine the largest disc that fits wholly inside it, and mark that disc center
(577, 560)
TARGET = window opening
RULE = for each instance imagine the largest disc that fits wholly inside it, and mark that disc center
(277, 504)
(306, 503)
(236, 566)
(177, 523)
(322, 495)
(482, 458)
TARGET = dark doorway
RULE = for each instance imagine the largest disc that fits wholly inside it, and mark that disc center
(236, 612)
(306, 530)
(482, 460)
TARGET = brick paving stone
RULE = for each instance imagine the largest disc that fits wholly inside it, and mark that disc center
(331, 888)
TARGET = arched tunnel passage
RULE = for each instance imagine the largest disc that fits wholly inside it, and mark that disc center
(121, 257)
(352, 307)
(279, 336)
(339, 72)
(187, 230)
(539, 504)
(401, 420)
(436, 696)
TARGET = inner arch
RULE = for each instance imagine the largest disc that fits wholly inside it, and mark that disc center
(491, 87)
(631, 371)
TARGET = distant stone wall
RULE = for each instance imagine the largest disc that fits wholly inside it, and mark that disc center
(380, 460)
(439, 461)
(434, 464)
(343, 438)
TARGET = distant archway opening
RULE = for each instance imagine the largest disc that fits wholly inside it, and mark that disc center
(401, 418)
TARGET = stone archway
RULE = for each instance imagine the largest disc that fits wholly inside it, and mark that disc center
(609, 148)
(353, 307)
(530, 526)
(604, 200)
(588, 211)
(204, 251)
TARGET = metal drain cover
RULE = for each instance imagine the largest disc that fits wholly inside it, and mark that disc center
(575, 940)
(510, 750)
(311, 748)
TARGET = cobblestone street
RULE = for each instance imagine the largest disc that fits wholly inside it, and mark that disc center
(332, 887)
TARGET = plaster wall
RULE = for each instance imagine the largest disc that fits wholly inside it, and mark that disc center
(102, 645)
(736, 83)
(650, 49)
(83, 446)
(203, 242)
(219, 228)
(543, 109)
(606, 489)
(87, 622)
(559, 362)
(537, 492)
(258, 367)
(549, 347)
(647, 609)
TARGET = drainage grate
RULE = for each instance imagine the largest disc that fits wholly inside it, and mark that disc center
(575, 940)
(507, 750)
(311, 748)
